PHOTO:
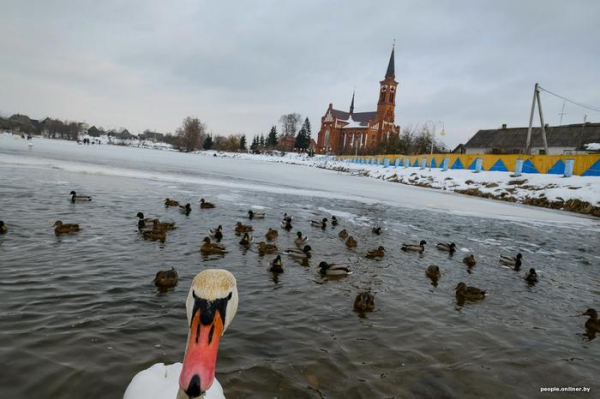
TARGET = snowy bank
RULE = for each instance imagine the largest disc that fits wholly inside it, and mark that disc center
(576, 194)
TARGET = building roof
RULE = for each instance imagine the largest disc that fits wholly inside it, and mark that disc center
(576, 136)
(390, 69)
(361, 117)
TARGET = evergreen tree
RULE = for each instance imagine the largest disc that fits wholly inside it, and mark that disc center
(243, 143)
(208, 142)
(262, 140)
(272, 138)
(303, 137)
(254, 146)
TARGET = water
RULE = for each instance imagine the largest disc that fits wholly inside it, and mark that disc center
(80, 316)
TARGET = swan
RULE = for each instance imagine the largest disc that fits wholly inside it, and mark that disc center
(211, 305)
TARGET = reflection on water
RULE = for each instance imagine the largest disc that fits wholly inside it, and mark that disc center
(80, 315)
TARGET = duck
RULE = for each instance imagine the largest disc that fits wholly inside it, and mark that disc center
(300, 239)
(351, 242)
(334, 221)
(287, 218)
(246, 240)
(65, 228)
(433, 272)
(255, 215)
(447, 247)
(469, 260)
(79, 198)
(276, 265)
(206, 205)
(592, 324)
(322, 224)
(155, 235)
(264, 248)
(414, 247)
(169, 202)
(343, 234)
(211, 305)
(514, 261)
(303, 253)
(364, 302)
(144, 222)
(271, 234)
(333, 269)
(211, 248)
(157, 225)
(166, 278)
(242, 228)
(464, 292)
(531, 276)
(377, 230)
(217, 233)
(376, 253)
(3, 228)
(185, 209)
(287, 225)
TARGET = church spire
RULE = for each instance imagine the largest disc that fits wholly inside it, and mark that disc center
(390, 69)
(352, 104)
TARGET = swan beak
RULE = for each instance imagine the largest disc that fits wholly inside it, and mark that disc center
(199, 363)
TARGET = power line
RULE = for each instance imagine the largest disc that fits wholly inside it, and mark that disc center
(590, 107)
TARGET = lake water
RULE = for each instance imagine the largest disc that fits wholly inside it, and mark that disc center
(80, 316)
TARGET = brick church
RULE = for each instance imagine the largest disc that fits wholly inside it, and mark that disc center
(356, 132)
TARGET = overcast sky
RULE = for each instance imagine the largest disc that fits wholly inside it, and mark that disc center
(148, 64)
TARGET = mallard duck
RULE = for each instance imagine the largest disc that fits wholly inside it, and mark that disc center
(531, 276)
(327, 269)
(433, 272)
(514, 261)
(351, 242)
(166, 278)
(334, 221)
(287, 225)
(144, 222)
(469, 260)
(255, 215)
(464, 292)
(206, 205)
(242, 228)
(185, 209)
(343, 234)
(246, 240)
(276, 265)
(217, 233)
(300, 239)
(448, 247)
(376, 253)
(155, 235)
(3, 228)
(271, 234)
(209, 248)
(60, 228)
(157, 225)
(79, 198)
(414, 247)
(377, 230)
(287, 218)
(264, 248)
(303, 253)
(169, 202)
(322, 224)
(364, 302)
(592, 324)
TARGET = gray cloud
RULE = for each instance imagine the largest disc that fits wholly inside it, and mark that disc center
(148, 64)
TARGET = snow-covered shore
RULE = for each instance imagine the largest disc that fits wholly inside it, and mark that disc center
(577, 194)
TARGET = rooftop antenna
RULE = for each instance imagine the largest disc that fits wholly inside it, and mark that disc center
(562, 113)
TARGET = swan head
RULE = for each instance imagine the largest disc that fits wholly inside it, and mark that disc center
(211, 305)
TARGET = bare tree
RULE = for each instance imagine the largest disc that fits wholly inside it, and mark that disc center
(289, 124)
(191, 134)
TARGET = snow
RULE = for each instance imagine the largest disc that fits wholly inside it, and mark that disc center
(592, 146)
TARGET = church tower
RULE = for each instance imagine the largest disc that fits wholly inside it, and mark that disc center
(387, 93)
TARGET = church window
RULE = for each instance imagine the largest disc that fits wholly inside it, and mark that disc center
(326, 143)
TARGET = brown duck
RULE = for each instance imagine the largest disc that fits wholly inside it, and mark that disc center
(351, 242)
(155, 235)
(469, 260)
(464, 292)
(210, 248)
(206, 205)
(242, 228)
(376, 253)
(169, 202)
(157, 225)
(433, 272)
(343, 234)
(166, 278)
(364, 302)
(592, 324)
(60, 228)
(271, 234)
(264, 248)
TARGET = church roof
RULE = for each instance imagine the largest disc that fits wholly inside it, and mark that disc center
(390, 73)
(361, 117)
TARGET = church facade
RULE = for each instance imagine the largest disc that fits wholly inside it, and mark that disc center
(358, 132)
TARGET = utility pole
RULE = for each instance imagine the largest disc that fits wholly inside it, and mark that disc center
(562, 113)
(536, 97)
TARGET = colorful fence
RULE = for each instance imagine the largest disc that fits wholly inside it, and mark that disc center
(583, 165)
